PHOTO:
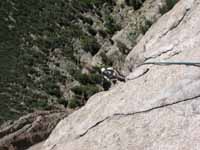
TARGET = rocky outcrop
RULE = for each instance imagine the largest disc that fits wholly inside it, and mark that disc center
(158, 107)
(37, 146)
(29, 130)
(134, 26)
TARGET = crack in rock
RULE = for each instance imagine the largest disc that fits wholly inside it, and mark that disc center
(158, 55)
(174, 54)
(53, 147)
(96, 124)
(140, 75)
(165, 33)
(176, 24)
(135, 113)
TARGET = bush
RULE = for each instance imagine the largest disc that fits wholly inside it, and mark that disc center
(169, 5)
(73, 103)
(96, 78)
(144, 27)
(37, 103)
(51, 88)
(90, 44)
(87, 3)
(91, 90)
(87, 20)
(85, 91)
(79, 90)
(92, 31)
(97, 3)
(85, 79)
(82, 78)
(96, 69)
(106, 61)
(135, 3)
(132, 36)
(123, 48)
(102, 33)
(63, 101)
(110, 25)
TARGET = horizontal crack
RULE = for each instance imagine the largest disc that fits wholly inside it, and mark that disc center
(158, 107)
(135, 113)
(158, 55)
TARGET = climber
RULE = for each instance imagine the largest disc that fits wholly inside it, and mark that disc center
(112, 75)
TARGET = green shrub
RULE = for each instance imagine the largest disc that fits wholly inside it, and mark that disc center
(110, 25)
(82, 78)
(102, 33)
(85, 91)
(37, 103)
(41, 104)
(79, 90)
(96, 69)
(95, 78)
(90, 3)
(87, 3)
(51, 88)
(63, 102)
(145, 26)
(85, 79)
(106, 61)
(58, 76)
(87, 20)
(169, 5)
(73, 103)
(91, 30)
(90, 44)
(136, 4)
(91, 90)
(132, 36)
(123, 48)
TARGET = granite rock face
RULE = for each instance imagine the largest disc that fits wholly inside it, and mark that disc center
(159, 105)
(175, 32)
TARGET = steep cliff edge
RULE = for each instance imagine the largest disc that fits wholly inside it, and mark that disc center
(158, 107)
(29, 129)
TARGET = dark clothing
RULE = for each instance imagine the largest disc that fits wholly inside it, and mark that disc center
(111, 74)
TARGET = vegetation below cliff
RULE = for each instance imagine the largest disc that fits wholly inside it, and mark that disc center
(41, 47)
(35, 37)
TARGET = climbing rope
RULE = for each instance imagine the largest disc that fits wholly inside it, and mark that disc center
(172, 63)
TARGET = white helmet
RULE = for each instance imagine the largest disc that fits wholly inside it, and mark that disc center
(110, 68)
(103, 69)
